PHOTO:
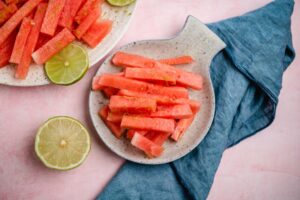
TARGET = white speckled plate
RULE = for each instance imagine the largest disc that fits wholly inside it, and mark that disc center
(202, 44)
(119, 15)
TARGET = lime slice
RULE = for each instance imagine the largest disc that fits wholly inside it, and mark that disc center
(62, 143)
(120, 2)
(68, 66)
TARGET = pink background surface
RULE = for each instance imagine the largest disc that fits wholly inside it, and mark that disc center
(265, 166)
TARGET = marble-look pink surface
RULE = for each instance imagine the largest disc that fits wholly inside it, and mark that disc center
(265, 166)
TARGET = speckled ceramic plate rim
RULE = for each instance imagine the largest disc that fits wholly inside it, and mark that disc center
(8, 79)
(179, 154)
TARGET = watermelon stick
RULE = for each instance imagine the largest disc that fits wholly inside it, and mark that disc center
(152, 74)
(86, 9)
(75, 7)
(176, 111)
(146, 123)
(6, 49)
(181, 128)
(140, 86)
(136, 105)
(150, 148)
(55, 7)
(53, 46)
(97, 32)
(20, 41)
(2, 5)
(115, 129)
(177, 60)
(87, 23)
(6, 11)
(65, 19)
(23, 67)
(13, 22)
(69, 12)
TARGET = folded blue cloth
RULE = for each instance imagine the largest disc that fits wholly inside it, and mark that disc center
(247, 78)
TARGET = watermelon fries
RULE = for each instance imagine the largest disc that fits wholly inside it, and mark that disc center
(36, 30)
(148, 100)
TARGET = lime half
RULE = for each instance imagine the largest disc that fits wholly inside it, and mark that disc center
(62, 143)
(120, 2)
(68, 66)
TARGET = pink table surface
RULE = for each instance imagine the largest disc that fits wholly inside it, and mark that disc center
(265, 166)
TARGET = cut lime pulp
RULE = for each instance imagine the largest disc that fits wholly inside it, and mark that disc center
(120, 2)
(68, 66)
(62, 143)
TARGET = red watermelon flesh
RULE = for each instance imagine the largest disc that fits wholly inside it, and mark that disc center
(65, 19)
(23, 67)
(15, 20)
(20, 42)
(75, 7)
(97, 32)
(2, 5)
(86, 9)
(114, 127)
(15, 1)
(87, 23)
(6, 49)
(43, 38)
(181, 128)
(69, 12)
(6, 11)
(54, 9)
(150, 148)
(157, 137)
(131, 132)
(53, 46)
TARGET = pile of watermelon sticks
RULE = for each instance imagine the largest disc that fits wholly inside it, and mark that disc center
(38, 29)
(149, 100)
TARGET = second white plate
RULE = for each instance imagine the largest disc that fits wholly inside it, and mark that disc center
(195, 40)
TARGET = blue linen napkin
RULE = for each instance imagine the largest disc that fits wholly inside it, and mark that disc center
(247, 78)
